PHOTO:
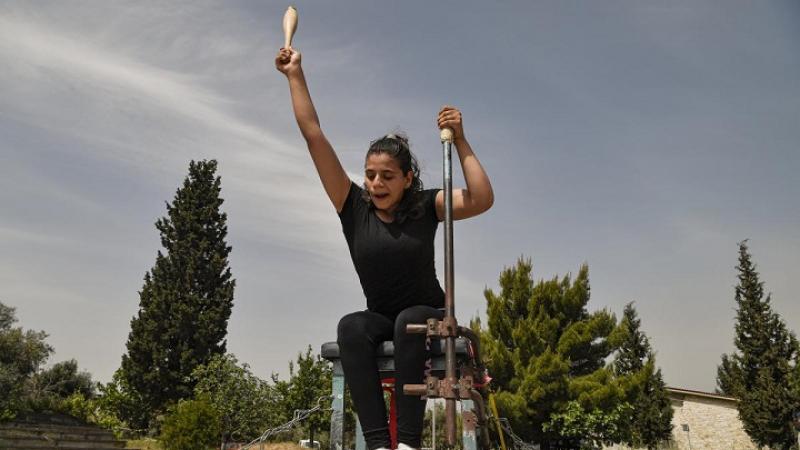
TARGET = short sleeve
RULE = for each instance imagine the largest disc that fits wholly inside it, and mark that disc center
(430, 203)
(350, 204)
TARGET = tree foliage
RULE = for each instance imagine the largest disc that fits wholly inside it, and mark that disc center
(634, 347)
(22, 352)
(649, 420)
(437, 410)
(191, 425)
(244, 402)
(120, 401)
(186, 299)
(309, 380)
(762, 372)
(49, 389)
(593, 429)
(247, 405)
(61, 380)
(26, 387)
(730, 376)
(545, 350)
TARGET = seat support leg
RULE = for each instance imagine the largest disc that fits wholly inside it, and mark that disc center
(469, 420)
(337, 406)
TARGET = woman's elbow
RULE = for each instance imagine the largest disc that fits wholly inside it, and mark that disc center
(487, 203)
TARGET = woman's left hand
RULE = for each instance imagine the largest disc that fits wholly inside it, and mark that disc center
(450, 117)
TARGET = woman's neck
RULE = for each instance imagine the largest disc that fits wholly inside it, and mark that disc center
(385, 215)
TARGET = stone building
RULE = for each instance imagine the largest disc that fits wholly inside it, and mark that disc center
(704, 421)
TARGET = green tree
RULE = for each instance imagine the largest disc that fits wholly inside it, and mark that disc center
(187, 296)
(730, 377)
(544, 349)
(593, 429)
(650, 418)
(634, 346)
(22, 352)
(310, 378)
(92, 410)
(49, 388)
(762, 371)
(438, 410)
(244, 402)
(191, 425)
(122, 406)
(62, 380)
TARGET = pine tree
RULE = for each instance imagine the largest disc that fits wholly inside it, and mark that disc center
(187, 296)
(760, 372)
(635, 347)
(651, 419)
(544, 349)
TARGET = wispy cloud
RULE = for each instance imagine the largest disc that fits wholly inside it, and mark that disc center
(138, 113)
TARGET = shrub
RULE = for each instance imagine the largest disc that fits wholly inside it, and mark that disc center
(191, 425)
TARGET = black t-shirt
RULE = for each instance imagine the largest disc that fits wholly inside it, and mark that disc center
(394, 261)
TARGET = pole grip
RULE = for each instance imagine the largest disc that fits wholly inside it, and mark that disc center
(289, 26)
(446, 135)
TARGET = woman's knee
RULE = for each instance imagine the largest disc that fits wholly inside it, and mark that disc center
(351, 327)
(418, 314)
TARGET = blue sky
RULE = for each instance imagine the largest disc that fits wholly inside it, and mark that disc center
(645, 138)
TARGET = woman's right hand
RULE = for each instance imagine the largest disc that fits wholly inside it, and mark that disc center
(288, 61)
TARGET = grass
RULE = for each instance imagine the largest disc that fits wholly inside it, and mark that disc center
(144, 444)
(152, 444)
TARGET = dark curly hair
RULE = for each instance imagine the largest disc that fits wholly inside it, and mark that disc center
(397, 146)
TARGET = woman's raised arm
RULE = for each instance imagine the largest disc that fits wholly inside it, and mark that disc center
(478, 195)
(334, 178)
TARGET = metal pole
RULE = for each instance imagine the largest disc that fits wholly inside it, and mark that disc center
(446, 136)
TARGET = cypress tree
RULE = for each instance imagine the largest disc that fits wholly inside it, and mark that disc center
(186, 299)
(651, 420)
(544, 350)
(729, 376)
(760, 372)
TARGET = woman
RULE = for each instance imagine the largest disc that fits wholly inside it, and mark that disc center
(389, 225)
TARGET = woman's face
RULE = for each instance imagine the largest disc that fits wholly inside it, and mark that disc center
(385, 181)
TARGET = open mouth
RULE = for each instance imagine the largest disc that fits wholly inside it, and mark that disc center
(380, 196)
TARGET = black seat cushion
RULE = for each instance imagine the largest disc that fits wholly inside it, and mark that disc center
(330, 350)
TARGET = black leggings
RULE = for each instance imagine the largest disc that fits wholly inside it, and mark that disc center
(358, 336)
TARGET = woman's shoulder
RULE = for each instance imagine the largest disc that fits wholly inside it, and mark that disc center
(354, 200)
(426, 202)
(429, 195)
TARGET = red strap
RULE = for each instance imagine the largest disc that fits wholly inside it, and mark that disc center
(388, 386)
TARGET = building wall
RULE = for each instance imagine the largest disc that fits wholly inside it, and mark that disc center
(713, 424)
